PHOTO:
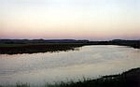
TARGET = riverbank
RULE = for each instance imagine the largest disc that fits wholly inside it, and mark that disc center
(34, 46)
(129, 78)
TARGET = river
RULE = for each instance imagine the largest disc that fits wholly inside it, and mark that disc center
(85, 62)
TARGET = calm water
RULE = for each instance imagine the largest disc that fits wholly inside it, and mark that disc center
(88, 61)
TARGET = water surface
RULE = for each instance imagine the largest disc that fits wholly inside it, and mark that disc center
(88, 62)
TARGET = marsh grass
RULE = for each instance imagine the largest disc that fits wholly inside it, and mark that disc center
(130, 78)
(35, 48)
(127, 79)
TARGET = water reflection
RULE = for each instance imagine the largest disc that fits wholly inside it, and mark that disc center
(89, 61)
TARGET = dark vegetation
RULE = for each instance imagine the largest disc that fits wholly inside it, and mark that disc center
(8, 46)
(34, 48)
(129, 78)
(13, 46)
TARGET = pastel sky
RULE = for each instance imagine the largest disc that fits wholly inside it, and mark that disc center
(70, 19)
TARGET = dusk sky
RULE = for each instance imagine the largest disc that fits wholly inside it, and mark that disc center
(70, 19)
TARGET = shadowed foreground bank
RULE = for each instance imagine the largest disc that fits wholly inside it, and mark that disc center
(130, 78)
(8, 46)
